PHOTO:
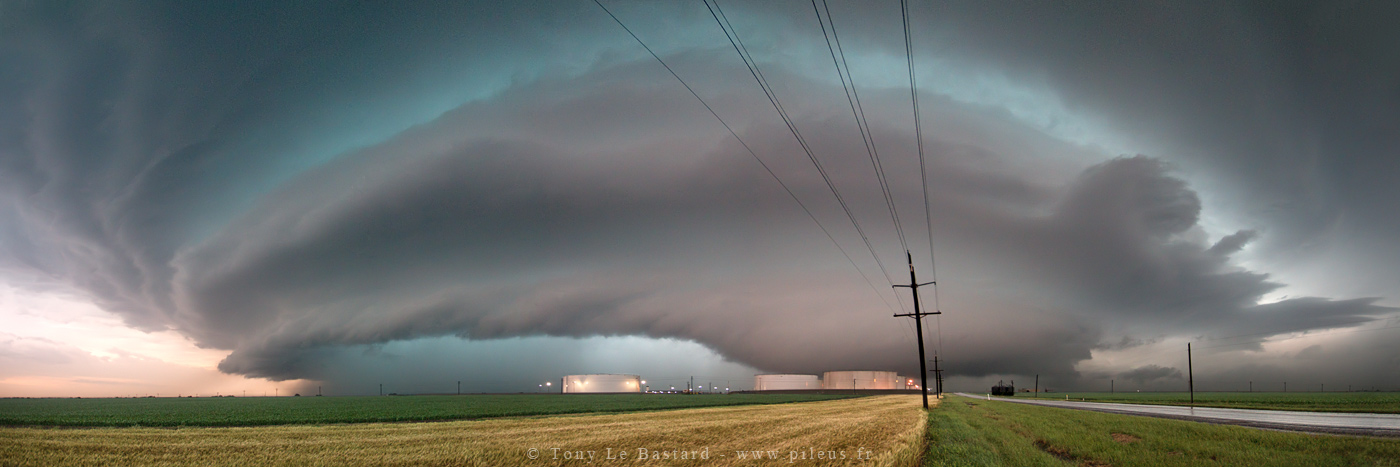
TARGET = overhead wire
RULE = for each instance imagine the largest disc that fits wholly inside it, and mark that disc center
(776, 102)
(848, 84)
(760, 161)
(923, 172)
(738, 43)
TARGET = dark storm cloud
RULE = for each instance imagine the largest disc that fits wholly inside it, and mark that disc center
(1289, 111)
(208, 169)
(1150, 373)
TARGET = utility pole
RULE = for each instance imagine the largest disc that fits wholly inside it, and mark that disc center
(937, 377)
(459, 388)
(1251, 386)
(1190, 376)
(1110, 386)
(1037, 385)
(938, 381)
(918, 315)
(318, 390)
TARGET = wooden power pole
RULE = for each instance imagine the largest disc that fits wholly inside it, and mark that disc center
(918, 316)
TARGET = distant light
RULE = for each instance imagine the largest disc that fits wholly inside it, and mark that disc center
(644, 381)
(549, 384)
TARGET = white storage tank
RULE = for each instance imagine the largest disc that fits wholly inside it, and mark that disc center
(861, 379)
(601, 383)
(785, 382)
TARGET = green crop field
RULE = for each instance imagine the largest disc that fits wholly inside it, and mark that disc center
(970, 432)
(1373, 402)
(252, 411)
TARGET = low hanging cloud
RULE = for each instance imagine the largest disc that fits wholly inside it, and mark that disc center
(1148, 374)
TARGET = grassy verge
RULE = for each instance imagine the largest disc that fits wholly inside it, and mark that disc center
(319, 410)
(878, 431)
(969, 432)
(1370, 402)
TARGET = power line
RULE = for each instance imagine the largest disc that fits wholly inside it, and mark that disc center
(766, 168)
(923, 173)
(843, 72)
(773, 99)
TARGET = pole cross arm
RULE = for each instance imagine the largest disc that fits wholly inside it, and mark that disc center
(915, 285)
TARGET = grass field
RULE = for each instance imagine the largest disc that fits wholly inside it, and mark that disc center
(1373, 402)
(319, 410)
(969, 432)
(883, 430)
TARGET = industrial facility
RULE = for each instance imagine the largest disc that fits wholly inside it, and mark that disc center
(601, 384)
(785, 382)
(865, 380)
(861, 380)
(1002, 389)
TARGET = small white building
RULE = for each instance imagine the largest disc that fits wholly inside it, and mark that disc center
(601, 383)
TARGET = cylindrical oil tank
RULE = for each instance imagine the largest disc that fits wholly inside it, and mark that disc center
(601, 383)
(785, 382)
(862, 379)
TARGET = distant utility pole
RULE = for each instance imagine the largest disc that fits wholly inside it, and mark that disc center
(1285, 386)
(1110, 386)
(459, 388)
(1323, 388)
(937, 377)
(918, 315)
(381, 389)
(318, 390)
(1251, 386)
(1037, 385)
(1190, 376)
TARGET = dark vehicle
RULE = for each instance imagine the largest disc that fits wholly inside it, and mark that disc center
(1004, 389)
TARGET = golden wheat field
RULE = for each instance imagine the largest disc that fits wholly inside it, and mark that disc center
(886, 430)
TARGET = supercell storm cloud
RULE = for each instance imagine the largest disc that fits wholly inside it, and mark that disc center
(299, 186)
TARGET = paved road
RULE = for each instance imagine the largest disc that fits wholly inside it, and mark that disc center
(1366, 424)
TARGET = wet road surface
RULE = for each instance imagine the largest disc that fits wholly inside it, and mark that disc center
(1365, 424)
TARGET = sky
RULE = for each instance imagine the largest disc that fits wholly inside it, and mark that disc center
(265, 197)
